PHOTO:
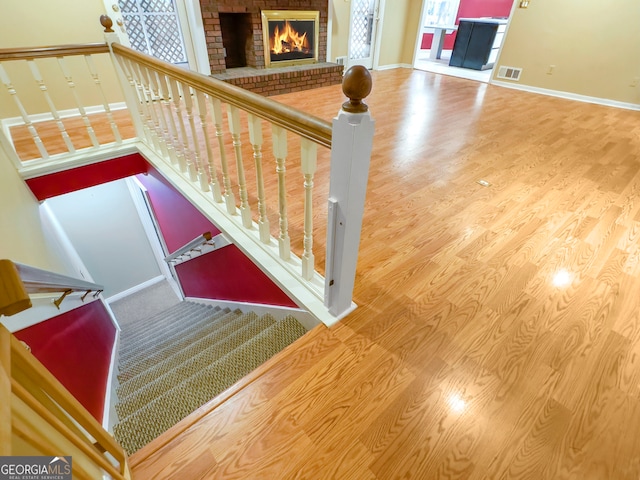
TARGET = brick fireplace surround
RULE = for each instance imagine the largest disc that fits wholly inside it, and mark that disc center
(255, 77)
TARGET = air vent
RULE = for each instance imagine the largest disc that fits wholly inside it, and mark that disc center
(510, 73)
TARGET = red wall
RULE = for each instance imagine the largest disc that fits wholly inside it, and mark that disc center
(75, 179)
(472, 9)
(223, 275)
(76, 348)
(226, 274)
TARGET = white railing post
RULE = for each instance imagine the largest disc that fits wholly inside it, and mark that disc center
(309, 161)
(255, 137)
(279, 136)
(130, 96)
(352, 140)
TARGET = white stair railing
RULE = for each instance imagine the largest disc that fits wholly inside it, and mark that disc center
(267, 205)
(57, 104)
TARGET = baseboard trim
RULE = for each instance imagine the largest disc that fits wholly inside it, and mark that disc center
(393, 66)
(71, 112)
(109, 399)
(568, 95)
(135, 289)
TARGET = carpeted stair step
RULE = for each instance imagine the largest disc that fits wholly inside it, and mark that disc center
(137, 364)
(159, 329)
(145, 326)
(149, 386)
(160, 414)
(178, 328)
(158, 324)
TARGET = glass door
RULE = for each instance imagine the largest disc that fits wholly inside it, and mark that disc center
(362, 34)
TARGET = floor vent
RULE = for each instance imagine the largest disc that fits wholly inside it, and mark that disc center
(510, 73)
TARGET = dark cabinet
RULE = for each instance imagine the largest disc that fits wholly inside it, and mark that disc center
(475, 42)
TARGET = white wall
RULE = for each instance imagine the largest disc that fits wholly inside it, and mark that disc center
(104, 227)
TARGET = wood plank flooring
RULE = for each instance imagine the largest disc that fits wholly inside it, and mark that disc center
(498, 328)
(49, 133)
(498, 333)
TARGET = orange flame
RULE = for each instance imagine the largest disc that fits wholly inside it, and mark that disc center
(288, 40)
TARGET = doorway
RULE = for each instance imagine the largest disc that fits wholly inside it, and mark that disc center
(365, 15)
(438, 28)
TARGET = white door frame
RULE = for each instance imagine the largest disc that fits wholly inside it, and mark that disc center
(190, 17)
(420, 32)
(375, 40)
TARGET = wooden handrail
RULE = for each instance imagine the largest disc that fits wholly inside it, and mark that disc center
(32, 437)
(196, 242)
(91, 451)
(37, 280)
(23, 360)
(296, 121)
(34, 388)
(17, 281)
(24, 382)
(52, 51)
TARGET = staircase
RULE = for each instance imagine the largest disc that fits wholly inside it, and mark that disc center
(173, 362)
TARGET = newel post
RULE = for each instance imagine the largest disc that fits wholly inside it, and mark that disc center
(130, 98)
(352, 140)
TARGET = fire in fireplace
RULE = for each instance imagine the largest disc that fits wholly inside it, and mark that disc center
(290, 37)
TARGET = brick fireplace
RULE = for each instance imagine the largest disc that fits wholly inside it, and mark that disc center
(235, 44)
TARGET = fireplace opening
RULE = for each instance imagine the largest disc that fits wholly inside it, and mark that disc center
(290, 37)
(237, 38)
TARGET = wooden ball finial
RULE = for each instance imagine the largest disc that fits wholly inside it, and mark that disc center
(356, 85)
(107, 23)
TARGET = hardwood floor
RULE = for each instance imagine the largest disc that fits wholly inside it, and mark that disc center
(498, 328)
(498, 333)
(52, 141)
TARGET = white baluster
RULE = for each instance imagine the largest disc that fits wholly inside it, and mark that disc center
(229, 198)
(83, 113)
(255, 137)
(147, 104)
(96, 79)
(135, 92)
(174, 145)
(185, 164)
(157, 111)
(23, 113)
(309, 156)
(194, 167)
(161, 102)
(43, 88)
(280, 152)
(233, 115)
(212, 173)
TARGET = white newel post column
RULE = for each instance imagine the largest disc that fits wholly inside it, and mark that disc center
(352, 140)
(130, 99)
